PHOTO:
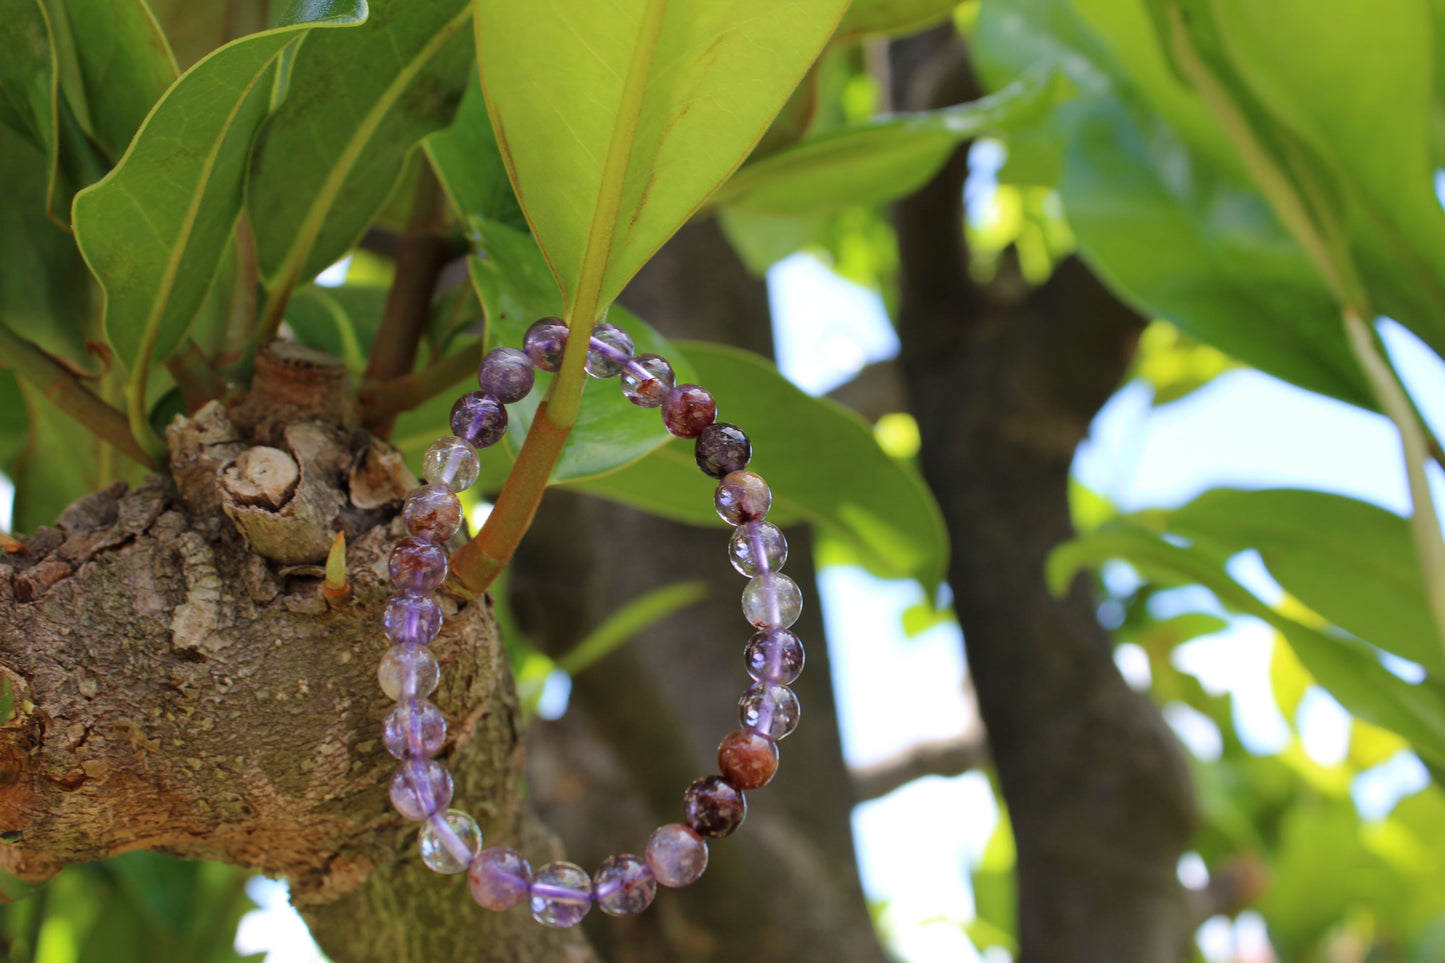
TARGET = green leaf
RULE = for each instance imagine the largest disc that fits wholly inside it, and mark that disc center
(469, 164)
(125, 66)
(821, 460)
(27, 72)
(56, 466)
(1352, 562)
(657, 103)
(357, 102)
(880, 160)
(890, 18)
(341, 321)
(627, 621)
(1349, 669)
(154, 230)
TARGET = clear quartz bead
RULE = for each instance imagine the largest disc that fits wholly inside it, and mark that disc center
(770, 709)
(772, 601)
(742, 496)
(432, 511)
(676, 855)
(561, 894)
(757, 548)
(412, 619)
(774, 656)
(414, 729)
(608, 350)
(421, 787)
(449, 841)
(623, 885)
(499, 878)
(646, 380)
(408, 672)
(451, 462)
(545, 342)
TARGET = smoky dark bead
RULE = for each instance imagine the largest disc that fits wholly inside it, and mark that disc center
(506, 374)
(714, 807)
(544, 343)
(687, 410)
(722, 448)
(479, 419)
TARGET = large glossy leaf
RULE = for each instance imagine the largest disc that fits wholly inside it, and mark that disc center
(822, 462)
(27, 72)
(1351, 562)
(357, 102)
(890, 18)
(654, 105)
(56, 465)
(880, 160)
(125, 65)
(154, 230)
(469, 164)
(1349, 669)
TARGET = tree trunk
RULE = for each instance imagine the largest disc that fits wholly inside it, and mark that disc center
(646, 721)
(1004, 389)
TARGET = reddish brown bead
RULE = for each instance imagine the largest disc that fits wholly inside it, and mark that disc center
(748, 759)
(687, 410)
(714, 807)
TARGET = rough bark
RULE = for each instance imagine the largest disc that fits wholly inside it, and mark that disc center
(646, 721)
(180, 692)
(1004, 388)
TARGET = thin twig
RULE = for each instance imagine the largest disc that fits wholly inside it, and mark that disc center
(952, 756)
(384, 400)
(242, 316)
(69, 395)
(194, 375)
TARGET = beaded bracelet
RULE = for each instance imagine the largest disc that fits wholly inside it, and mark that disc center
(561, 893)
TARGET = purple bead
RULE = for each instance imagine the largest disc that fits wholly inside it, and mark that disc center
(687, 410)
(722, 449)
(449, 841)
(623, 885)
(479, 419)
(646, 380)
(499, 878)
(451, 462)
(742, 496)
(414, 729)
(545, 342)
(408, 672)
(676, 855)
(412, 619)
(418, 565)
(608, 350)
(772, 601)
(561, 894)
(421, 787)
(757, 547)
(714, 807)
(506, 374)
(433, 512)
(774, 656)
(770, 709)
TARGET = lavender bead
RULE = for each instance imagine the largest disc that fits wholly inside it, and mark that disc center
(757, 548)
(742, 496)
(499, 878)
(506, 374)
(646, 380)
(414, 729)
(421, 787)
(449, 841)
(479, 419)
(433, 512)
(412, 619)
(722, 449)
(623, 885)
(714, 807)
(774, 656)
(676, 855)
(770, 709)
(408, 672)
(608, 350)
(561, 894)
(451, 462)
(418, 565)
(772, 601)
(545, 342)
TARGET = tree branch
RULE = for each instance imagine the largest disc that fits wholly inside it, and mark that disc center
(60, 386)
(194, 376)
(383, 400)
(951, 756)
